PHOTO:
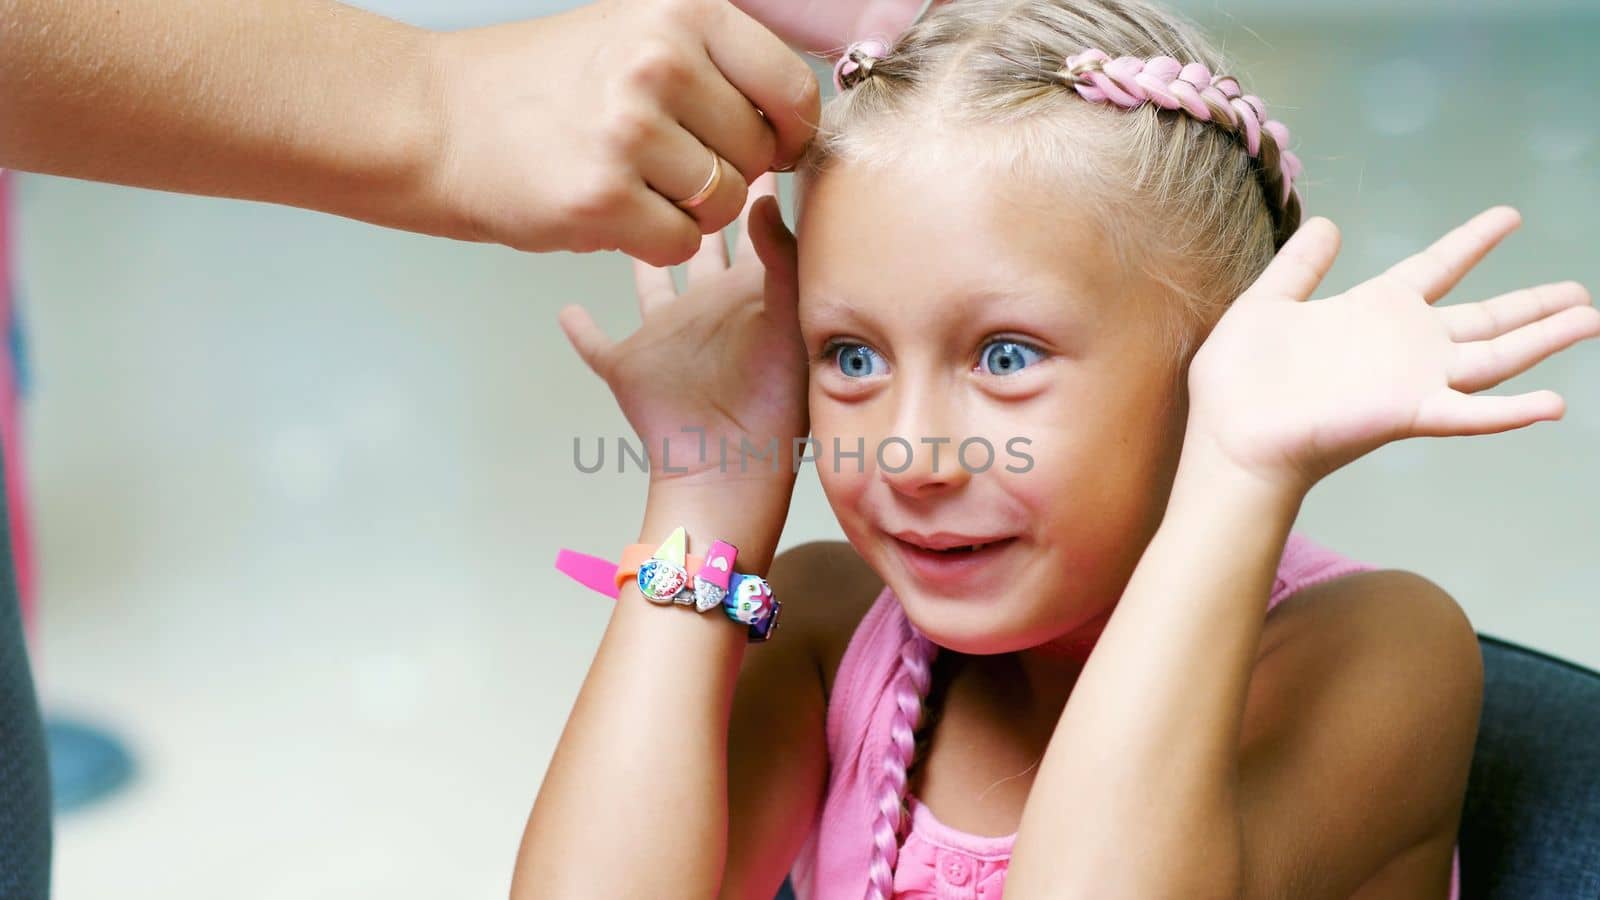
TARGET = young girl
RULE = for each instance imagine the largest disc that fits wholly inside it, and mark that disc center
(1046, 322)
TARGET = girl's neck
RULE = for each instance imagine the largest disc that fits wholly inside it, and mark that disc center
(1031, 686)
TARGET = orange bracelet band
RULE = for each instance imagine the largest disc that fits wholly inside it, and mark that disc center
(634, 555)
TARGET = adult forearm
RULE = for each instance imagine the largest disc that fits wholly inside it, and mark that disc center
(634, 801)
(304, 102)
(1135, 796)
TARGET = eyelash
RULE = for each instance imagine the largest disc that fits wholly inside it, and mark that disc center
(831, 348)
(1002, 339)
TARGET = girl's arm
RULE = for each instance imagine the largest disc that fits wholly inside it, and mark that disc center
(1161, 789)
(635, 801)
(1144, 791)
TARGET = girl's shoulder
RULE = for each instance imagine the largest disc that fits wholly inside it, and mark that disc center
(1367, 685)
(826, 589)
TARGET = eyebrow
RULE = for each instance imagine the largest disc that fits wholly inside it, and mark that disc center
(1043, 299)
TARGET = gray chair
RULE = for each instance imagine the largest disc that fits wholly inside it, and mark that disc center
(1530, 829)
(1531, 826)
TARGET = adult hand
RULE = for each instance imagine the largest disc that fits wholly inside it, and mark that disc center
(580, 131)
(826, 26)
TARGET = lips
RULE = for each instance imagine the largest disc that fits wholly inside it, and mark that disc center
(969, 548)
(944, 541)
(957, 564)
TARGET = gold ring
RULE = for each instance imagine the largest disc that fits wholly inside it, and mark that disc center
(710, 186)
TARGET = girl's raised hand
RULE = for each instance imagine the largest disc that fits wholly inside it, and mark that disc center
(1291, 391)
(725, 356)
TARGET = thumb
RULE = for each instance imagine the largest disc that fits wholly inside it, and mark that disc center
(775, 246)
(585, 336)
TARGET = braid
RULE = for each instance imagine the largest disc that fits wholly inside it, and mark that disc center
(909, 686)
(1130, 82)
(945, 665)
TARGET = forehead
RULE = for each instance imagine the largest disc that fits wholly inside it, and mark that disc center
(881, 232)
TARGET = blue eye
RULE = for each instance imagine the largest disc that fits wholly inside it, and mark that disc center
(1005, 357)
(855, 360)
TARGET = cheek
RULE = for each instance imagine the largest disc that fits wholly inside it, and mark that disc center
(844, 475)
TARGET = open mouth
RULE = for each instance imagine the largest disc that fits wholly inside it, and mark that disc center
(970, 548)
(958, 551)
(958, 567)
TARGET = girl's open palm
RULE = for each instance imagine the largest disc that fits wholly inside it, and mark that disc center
(1293, 390)
(726, 356)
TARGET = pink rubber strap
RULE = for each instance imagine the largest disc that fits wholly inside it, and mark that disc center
(592, 572)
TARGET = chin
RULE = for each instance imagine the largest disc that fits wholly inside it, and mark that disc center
(989, 626)
(976, 629)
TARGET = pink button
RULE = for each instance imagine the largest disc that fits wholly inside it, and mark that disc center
(954, 868)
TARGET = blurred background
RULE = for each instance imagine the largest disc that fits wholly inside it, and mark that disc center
(298, 482)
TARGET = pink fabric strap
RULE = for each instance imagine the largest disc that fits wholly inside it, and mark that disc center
(1129, 82)
(592, 572)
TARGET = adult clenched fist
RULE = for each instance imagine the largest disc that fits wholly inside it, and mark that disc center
(580, 131)
(587, 130)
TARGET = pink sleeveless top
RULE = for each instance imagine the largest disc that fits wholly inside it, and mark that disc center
(937, 862)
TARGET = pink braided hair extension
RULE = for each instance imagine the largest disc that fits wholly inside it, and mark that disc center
(910, 685)
(1129, 82)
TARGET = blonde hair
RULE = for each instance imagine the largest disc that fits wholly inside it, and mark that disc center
(1180, 198)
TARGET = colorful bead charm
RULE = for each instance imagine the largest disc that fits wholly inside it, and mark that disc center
(751, 602)
(662, 576)
(711, 582)
(762, 630)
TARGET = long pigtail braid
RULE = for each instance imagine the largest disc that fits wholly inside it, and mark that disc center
(912, 677)
(943, 669)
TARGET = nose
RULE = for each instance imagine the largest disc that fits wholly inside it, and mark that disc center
(919, 458)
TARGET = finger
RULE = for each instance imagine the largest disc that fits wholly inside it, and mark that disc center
(1484, 364)
(723, 119)
(775, 245)
(678, 166)
(712, 257)
(1493, 317)
(764, 186)
(1451, 413)
(586, 337)
(1300, 264)
(1434, 271)
(764, 69)
(649, 228)
(653, 284)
